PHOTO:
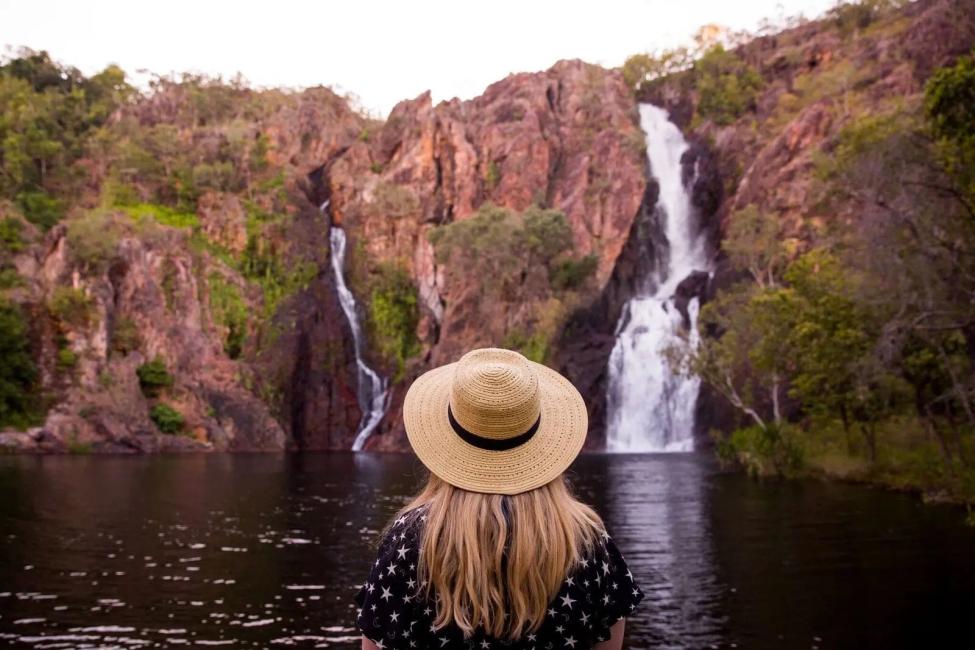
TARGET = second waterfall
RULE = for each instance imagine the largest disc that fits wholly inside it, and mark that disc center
(651, 408)
(373, 392)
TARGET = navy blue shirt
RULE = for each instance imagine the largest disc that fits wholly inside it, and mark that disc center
(394, 613)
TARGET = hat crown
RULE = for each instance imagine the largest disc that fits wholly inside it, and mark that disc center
(494, 393)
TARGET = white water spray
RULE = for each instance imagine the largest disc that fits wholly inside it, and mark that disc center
(373, 391)
(651, 409)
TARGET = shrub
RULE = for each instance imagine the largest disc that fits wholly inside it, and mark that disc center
(727, 86)
(9, 278)
(11, 234)
(125, 336)
(499, 244)
(41, 208)
(153, 377)
(949, 102)
(227, 309)
(492, 175)
(71, 306)
(166, 418)
(17, 369)
(93, 239)
(572, 273)
(769, 451)
(67, 358)
(532, 346)
(393, 314)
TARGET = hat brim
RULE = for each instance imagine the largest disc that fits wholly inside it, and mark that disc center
(560, 436)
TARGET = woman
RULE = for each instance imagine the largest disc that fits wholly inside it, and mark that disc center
(495, 552)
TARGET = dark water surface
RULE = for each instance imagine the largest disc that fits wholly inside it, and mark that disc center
(266, 551)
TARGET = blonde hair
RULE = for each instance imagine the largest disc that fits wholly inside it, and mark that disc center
(495, 561)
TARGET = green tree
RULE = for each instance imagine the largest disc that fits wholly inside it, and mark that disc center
(727, 86)
(18, 372)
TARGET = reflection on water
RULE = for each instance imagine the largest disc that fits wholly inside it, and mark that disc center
(266, 551)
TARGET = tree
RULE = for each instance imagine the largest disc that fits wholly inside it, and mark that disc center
(17, 370)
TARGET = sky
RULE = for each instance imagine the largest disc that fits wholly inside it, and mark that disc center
(381, 51)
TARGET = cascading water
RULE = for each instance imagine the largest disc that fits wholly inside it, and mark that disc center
(373, 392)
(650, 408)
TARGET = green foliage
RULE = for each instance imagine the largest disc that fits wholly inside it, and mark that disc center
(163, 215)
(499, 244)
(18, 373)
(492, 175)
(640, 69)
(763, 451)
(11, 235)
(572, 273)
(166, 418)
(48, 113)
(71, 306)
(393, 314)
(76, 447)
(533, 346)
(67, 358)
(726, 84)
(851, 17)
(93, 239)
(755, 243)
(125, 336)
(154, 377)
(949, 103)
(228, 310)
(9, 278)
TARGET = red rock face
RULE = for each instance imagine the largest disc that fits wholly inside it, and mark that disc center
(566, 138)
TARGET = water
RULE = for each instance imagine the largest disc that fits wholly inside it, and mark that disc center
(650, 407)
(266, 551)
(373, 391)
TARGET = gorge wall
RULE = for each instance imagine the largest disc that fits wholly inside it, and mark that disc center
(222, 306)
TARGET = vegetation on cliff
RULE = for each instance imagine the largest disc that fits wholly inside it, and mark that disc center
(846, 343)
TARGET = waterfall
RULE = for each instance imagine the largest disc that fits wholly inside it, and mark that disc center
(651, 409)
(373, 393)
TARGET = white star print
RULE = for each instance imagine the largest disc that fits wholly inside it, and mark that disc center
(570, 581)
(369, 587)
(605, 568)
(391, 568)
(443, 641)
(485, 644)
(387, 593)
(399, 522)
(394, 617)
(570, 642)
(629, 574)
(606, 599)
(427, 611)
(379, 644)
(411, 583)
(585, 618)
(531, 637)
(560, 629)
(551, 612)
(402, 551)
(567, 601)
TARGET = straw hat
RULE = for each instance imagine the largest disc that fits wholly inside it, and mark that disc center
(495, 422)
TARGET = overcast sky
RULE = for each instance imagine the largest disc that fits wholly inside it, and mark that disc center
(380, 50)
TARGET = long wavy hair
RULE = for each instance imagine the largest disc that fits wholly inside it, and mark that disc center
(494, 561)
